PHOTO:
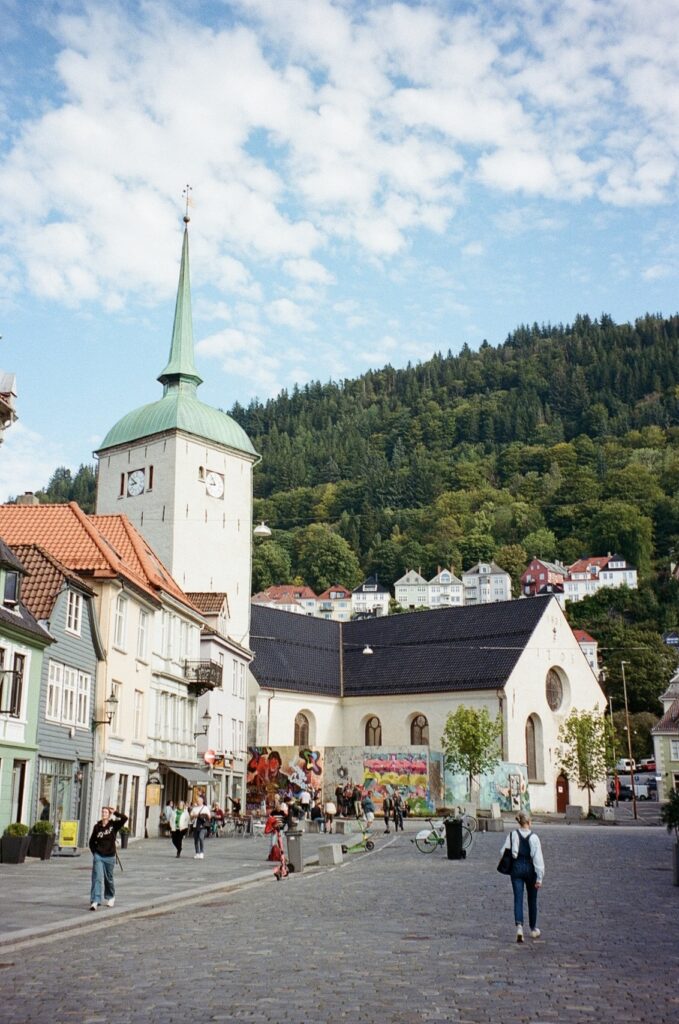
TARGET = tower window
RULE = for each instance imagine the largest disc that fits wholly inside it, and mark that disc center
(121, 493)
(149, 486)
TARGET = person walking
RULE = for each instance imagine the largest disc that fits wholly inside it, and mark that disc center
(179, 826)
(398, 811)
(330, 813)
(200, 817)
(528, 871)
(368, 809)
(103, 848)
(387, 810)
(45, 812)
(305, 802)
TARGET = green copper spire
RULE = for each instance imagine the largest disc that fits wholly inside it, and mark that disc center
(180, 372)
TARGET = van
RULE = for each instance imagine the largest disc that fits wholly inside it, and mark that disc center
(625, 765)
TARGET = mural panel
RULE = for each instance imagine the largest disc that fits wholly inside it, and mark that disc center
(273, 772)
(507, 786)
(385, 772)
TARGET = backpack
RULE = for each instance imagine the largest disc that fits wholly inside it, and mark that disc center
(523, 863)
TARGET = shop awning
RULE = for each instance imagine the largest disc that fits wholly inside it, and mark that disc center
(194, 776)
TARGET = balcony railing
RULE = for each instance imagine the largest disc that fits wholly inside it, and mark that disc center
(202, 676)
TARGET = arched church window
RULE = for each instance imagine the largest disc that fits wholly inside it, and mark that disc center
(301, 730)
(419, 731)
(531, 750)
(373, 732)
(554, 689)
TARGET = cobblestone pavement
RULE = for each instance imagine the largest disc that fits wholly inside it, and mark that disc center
(391, 937)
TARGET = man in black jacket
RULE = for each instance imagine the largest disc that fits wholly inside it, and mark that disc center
(103, 847)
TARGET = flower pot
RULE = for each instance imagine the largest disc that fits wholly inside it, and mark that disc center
(41, 845)
(124, 836)
(14, 849)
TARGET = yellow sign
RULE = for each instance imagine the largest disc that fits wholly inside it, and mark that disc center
(68, 833)
(152, 795)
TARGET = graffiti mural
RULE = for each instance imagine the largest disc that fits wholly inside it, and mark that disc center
(507, 786)
(408, 773)
(283, 771)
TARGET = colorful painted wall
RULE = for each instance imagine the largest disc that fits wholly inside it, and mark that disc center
(507, 786)
(274, 771)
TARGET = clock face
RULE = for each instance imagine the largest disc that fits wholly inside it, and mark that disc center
(214, 484)
(135, 482)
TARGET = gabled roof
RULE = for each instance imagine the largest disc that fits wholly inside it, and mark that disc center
(287, 592)
(450, 649)
(371, 585)
(411, 578)
(554, 567)
(340, 593)
(475, 570)
(9, 560)
(669, 722)
(599, 561)
(583, 637)
(100, 547)
(453, 577)
(45, 580)
(208, 602)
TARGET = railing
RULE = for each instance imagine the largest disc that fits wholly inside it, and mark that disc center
(202, 675)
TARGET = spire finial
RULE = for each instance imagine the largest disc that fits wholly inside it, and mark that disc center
(186, 193)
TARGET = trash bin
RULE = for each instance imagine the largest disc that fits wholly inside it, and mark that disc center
(295, 862)
(454, 839)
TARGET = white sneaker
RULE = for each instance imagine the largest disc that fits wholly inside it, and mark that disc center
(93, 906)
(111, 902)
(201, 856)
(519, 933)
(196, 856)
(535, 934)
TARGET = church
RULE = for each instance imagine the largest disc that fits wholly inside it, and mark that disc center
(365, 700)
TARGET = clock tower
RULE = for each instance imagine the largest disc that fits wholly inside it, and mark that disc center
(181, 471)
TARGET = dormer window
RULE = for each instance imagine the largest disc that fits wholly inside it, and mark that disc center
(12, 588)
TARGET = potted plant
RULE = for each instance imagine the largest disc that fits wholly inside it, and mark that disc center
(124, 836)
(669, 815)
(42, 840)
(14, 843)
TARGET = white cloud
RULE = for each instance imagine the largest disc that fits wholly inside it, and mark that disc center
(473, 249)
(308, 271)
(658, 271)
(289, 314)
(27, 460)
(244, 356)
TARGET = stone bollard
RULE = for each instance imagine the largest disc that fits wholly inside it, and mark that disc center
(573, 813)
(330, 854)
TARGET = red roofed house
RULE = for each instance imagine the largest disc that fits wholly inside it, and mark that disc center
(589, 647)
(288, 598)
(335, 603)
(144, 707)
(539, 573)
(588, 575)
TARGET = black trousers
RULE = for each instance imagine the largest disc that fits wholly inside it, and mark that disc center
(178, 838)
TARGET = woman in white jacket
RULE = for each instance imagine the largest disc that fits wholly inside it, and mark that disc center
(528, 871)
(179, 826)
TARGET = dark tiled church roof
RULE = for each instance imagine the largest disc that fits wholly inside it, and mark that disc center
(450, 649)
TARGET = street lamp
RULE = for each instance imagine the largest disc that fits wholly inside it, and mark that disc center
(111, 704)
(629, 740)
(207, 718)
(262, 530)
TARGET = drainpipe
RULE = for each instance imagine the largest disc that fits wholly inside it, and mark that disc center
(501, 710)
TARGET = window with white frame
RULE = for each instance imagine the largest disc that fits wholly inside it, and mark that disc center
(183, 640)
(70, 695)
(241, 738)
(234, 674)
(55, 686)
(234, 735)
(74, 612)
(120, 622)
(84, 690)
(220, 732)
(164, 631)
(674, 750)
(142, 635)
(241, 669)
(138, 715)
(117, 691)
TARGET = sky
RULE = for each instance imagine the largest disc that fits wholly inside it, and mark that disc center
(372, 182)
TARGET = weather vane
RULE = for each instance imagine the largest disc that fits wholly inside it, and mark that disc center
(186, 193)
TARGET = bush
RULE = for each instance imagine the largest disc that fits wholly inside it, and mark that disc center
(42, 828)
(17, 828)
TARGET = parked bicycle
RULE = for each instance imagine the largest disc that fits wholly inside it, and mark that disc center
(430, 839)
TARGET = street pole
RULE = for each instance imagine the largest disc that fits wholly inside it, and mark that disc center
(629, 740)
(616, 784)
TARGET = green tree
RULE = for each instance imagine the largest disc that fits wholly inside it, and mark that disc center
(513, 559)
(324, 558)
(271, 565)
(619, 527)
(471, 742)
(540, 543)
(586, 751)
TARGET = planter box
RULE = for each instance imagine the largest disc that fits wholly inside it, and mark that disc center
(41, 845)
(14, 849)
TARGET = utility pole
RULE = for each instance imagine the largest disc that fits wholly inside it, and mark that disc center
(629, 740)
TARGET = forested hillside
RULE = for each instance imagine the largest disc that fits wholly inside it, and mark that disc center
(562, 441)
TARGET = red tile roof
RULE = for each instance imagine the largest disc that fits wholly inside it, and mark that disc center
(582, 564)
(45, 579)
(582, 637)
(287, 592)
(669, 721)
(337, 589)
(208, 602)
(101, 547)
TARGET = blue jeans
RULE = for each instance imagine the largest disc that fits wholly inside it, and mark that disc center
(532, 895)
(102, 869)
(198, 837)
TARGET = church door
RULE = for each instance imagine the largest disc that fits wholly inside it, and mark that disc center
(562, 795)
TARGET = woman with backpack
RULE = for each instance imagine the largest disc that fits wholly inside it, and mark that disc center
(528, 869)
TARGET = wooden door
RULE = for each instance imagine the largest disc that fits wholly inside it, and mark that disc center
(562, 795)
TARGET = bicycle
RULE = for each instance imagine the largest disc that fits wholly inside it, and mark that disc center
(468, 820)
(428, 840)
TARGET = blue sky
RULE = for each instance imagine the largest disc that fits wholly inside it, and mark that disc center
(372, 182)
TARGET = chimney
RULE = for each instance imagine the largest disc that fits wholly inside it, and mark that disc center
(28, 498)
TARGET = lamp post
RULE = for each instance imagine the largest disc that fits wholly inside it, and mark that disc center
(207, 718)
(629, 740)
(111, 705)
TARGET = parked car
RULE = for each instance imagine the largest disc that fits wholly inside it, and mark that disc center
(624, 765)
(647, 764)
